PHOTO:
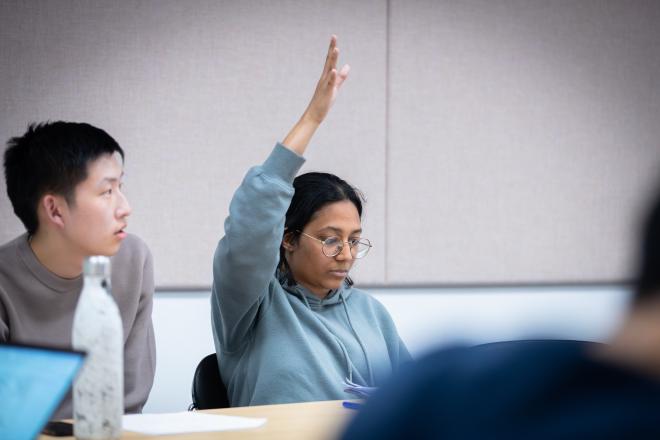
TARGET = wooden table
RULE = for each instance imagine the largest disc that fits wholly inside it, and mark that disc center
(308, 421)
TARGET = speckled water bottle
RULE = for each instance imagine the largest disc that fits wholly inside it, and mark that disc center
(98, 391)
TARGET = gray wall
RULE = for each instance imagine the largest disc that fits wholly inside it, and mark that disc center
(496, 141)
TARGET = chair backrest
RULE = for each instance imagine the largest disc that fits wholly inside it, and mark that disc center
(208, 390)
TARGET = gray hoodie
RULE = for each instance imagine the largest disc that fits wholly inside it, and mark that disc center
(278, 343)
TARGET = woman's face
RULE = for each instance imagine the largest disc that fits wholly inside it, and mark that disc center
(308, 265)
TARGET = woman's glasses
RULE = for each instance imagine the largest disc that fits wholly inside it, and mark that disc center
(332, 246)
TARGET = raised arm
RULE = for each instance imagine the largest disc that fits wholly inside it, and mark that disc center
(324, 96)
(246, 258)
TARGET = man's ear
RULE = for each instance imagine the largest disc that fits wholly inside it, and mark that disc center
(287, 241)
(52, 207)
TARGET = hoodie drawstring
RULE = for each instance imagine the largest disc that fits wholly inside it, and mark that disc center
(347, 360)
(366, 357)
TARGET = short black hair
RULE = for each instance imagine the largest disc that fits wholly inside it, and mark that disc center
(51, 157)
(647, 281)
(313, 191)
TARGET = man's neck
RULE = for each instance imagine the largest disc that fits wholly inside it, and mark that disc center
(56, 255)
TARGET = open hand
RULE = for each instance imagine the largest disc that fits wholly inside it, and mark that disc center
(324, 96)
(328, 86)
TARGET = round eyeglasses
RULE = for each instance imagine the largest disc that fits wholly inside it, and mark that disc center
(332, 246)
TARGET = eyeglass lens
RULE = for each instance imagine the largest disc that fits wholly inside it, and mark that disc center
(332, 246)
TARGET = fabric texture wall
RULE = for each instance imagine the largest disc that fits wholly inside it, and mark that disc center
(504, 142)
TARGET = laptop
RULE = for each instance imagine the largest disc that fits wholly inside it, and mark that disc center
(33, 382)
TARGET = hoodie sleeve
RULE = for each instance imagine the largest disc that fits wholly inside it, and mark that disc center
(246, 257)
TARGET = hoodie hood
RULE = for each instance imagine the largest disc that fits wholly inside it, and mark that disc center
(312, 301)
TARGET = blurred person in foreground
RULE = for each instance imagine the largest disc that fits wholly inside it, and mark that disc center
(536, 389)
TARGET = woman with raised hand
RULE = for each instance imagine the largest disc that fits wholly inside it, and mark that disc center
(287, 322)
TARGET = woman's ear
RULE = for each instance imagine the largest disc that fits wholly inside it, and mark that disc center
(288, 241)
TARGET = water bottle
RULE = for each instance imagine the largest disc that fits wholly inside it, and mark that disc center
(98, 391)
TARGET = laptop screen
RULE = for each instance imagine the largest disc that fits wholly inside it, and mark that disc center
(33, 382)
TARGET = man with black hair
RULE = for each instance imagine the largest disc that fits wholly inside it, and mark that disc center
(535, 389)
(64, 181)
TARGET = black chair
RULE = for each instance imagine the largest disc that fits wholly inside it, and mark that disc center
(208, 390)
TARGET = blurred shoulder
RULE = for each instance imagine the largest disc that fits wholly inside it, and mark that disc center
(502, 366)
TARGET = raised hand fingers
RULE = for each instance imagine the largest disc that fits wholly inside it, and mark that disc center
(343, 74)
(331, 57)
(330, 81)
(326, 88)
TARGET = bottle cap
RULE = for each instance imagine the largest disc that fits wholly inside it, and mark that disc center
(97, 266)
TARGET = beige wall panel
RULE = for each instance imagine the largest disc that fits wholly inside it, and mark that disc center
(523, 138)
(196, 92)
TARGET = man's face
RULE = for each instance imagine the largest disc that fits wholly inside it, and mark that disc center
(94, 224)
